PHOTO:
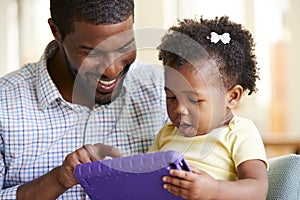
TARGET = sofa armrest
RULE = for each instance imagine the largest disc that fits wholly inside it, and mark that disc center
(284, 178)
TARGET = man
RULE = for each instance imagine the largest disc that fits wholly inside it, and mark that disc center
(75, 105)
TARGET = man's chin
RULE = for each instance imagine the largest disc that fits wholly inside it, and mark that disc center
(104, 99)
(107, 98)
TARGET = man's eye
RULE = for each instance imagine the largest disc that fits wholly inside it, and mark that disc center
(92, 54)
(127, 48)
(171, 97)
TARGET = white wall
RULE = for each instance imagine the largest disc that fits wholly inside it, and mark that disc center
(293, 89)
(9, 54)
(35, 33)
(151, 21)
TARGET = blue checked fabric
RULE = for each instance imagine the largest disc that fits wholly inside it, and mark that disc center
(38, 128)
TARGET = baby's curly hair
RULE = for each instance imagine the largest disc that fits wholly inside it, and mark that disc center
(235, 61)
(65, 12)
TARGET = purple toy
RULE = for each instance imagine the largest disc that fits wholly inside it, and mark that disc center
(137, 177)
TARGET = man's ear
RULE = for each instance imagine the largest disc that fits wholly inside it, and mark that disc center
(55, 31)
(234, 96)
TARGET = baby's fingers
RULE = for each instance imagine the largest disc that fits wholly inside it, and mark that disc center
(196, 170)
(169, 181)
(188, 176)
(178, 191)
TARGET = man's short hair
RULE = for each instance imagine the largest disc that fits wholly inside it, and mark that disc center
(65, 12)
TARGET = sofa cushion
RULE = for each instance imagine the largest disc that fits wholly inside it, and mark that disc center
(284, 178)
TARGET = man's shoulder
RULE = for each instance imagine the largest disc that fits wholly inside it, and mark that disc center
(144, 85)
(145, 70)
(142, 74)
(18, 78)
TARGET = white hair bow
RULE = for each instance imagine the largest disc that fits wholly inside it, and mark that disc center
(215, 37)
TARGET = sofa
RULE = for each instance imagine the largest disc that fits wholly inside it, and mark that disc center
(284, 178)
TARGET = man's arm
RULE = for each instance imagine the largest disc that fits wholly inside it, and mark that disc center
(45, 187)
(60, 179)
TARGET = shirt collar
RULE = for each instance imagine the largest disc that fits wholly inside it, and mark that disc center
(47, 92)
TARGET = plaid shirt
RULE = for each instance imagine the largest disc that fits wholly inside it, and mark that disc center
(38, 128)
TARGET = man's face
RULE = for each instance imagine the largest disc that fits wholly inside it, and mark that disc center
(98, 57)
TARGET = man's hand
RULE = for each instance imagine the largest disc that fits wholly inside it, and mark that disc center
(102, 151)
(88, 153)
(61, 178)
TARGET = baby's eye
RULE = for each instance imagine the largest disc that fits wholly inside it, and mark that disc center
(192, 100)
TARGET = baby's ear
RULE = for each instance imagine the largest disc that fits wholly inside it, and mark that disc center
(234, 95)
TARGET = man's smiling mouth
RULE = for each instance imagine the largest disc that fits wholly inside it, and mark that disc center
(107, 86)
(107, 83)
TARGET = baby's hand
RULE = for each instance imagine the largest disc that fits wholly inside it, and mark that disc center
(191, 185)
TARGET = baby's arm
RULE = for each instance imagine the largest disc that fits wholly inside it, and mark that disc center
(252, 183)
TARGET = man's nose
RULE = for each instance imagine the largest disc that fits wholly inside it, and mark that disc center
(111, 67)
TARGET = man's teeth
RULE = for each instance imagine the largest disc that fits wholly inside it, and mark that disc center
(106, 82)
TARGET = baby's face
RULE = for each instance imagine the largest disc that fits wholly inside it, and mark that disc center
(194, 105)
